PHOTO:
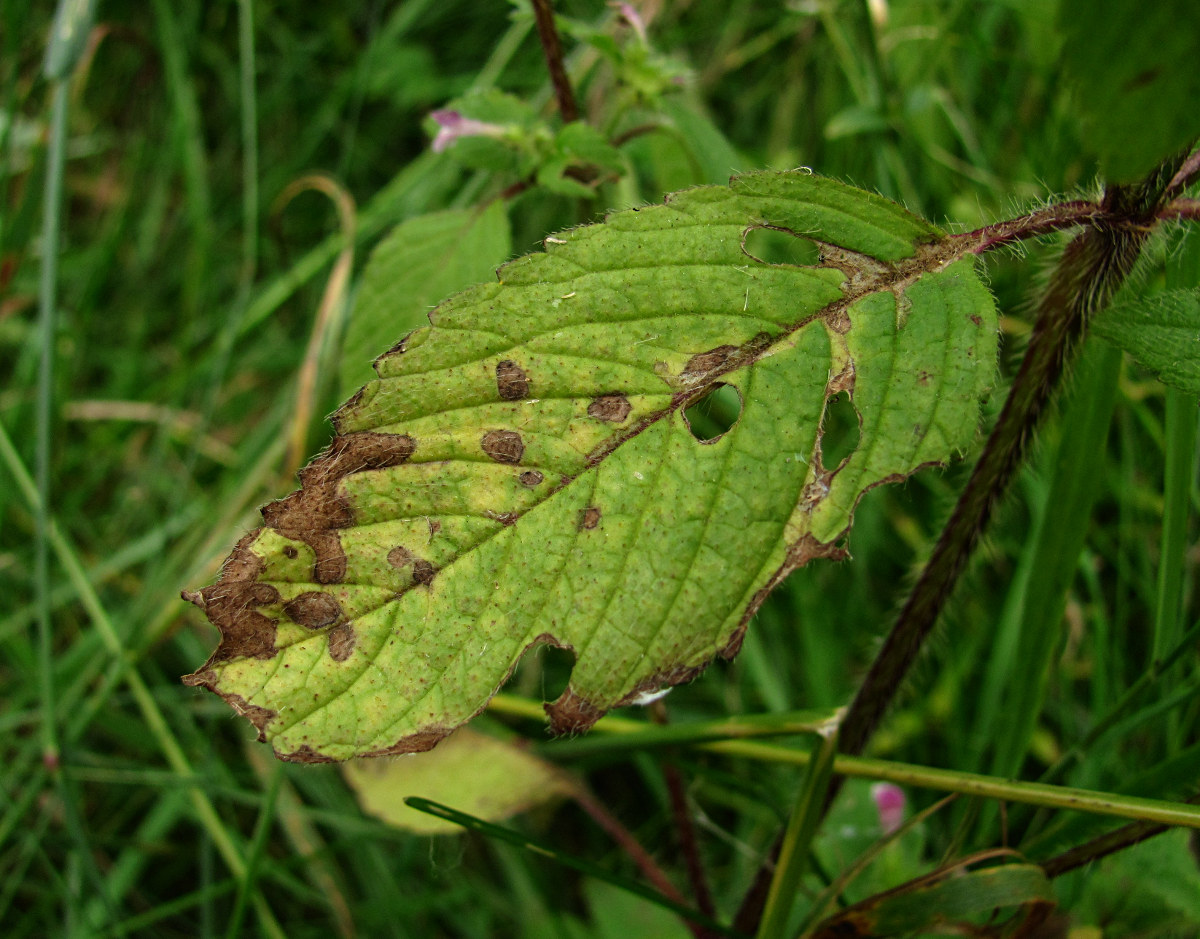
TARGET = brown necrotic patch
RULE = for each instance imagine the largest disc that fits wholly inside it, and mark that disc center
(503, 446)
(341, 642)
(531, 478)
(705, 362)
(612, 408)
(230, 605)
(313, 610)
(423, 571)
(511, 381)
(289, 551)
(314, 513)
(400, 557)
(589, 517)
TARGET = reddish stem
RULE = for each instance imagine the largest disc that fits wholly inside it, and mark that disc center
(543, 14)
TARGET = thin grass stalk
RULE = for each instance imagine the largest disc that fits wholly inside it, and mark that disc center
(797, 838)
(152, 714)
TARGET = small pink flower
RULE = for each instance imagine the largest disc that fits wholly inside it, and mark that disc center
(889, 803)
(452, 125)
(631, 16)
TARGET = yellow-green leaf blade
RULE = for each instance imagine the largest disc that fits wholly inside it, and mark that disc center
(522, 470)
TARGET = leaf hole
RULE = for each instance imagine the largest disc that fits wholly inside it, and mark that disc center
(776, 246)
(712, 416)
(839, 430)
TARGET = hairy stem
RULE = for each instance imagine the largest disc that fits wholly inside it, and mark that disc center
(1092, 268)
(552, 47)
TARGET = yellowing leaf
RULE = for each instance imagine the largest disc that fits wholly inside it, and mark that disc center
(472, 772)
(522, 471)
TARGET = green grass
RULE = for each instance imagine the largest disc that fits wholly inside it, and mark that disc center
(181, 302)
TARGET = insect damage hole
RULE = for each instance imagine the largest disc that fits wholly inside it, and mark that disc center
(711, 417)
(839, 430)
(778, 246)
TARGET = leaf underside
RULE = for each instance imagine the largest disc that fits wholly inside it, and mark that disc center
(522, 471)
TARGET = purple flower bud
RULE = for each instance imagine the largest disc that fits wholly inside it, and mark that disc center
(631, 16)
(452, 125)
(889, 803)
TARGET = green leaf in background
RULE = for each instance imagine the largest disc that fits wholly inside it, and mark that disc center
(618, 914)
(1117, 895)
(489, 778)
(939, 901)
(523, 472)
(421, 261)
(1132, 66)
(1162, 332)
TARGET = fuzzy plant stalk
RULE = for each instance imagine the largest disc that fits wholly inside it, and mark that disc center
(1093, 267)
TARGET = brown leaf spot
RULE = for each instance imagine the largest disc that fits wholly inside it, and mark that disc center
(923, 378)
(842, 381)
(503, 446)
(354, 452)
(289, 551)
(613, 408)
(229, 604)
(589, 518)
(976, 319)
(262, 594)
(707, 361)
(258, 716)
(399, 556)
(531, 478)
(423, 571)
(313, 610)
(571, 714)
(341, 642)
(314, 513)
(511, 381)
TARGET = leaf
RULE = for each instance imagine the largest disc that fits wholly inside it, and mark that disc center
(522, 472)
(618, 914)
(421, 261)
(1133, 69)
(489, 778)
(1148, 889)
(1162, 332)
(941, 901)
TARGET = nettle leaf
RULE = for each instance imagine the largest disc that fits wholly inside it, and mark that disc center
(1162, 332)
(522, 470)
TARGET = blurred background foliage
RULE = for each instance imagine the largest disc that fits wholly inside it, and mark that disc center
(197, 247)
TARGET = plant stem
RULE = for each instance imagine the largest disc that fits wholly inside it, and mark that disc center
(543, 13)
(1092, 268)
(797, 839)
(1117, 840)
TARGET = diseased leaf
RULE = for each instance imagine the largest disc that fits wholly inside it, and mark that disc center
(489, 778)
(522, 471)
(1162, 332)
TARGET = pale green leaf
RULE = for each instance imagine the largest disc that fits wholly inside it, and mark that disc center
(522, 472)
(1162, 332)
(421, 261)
(489, 778)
